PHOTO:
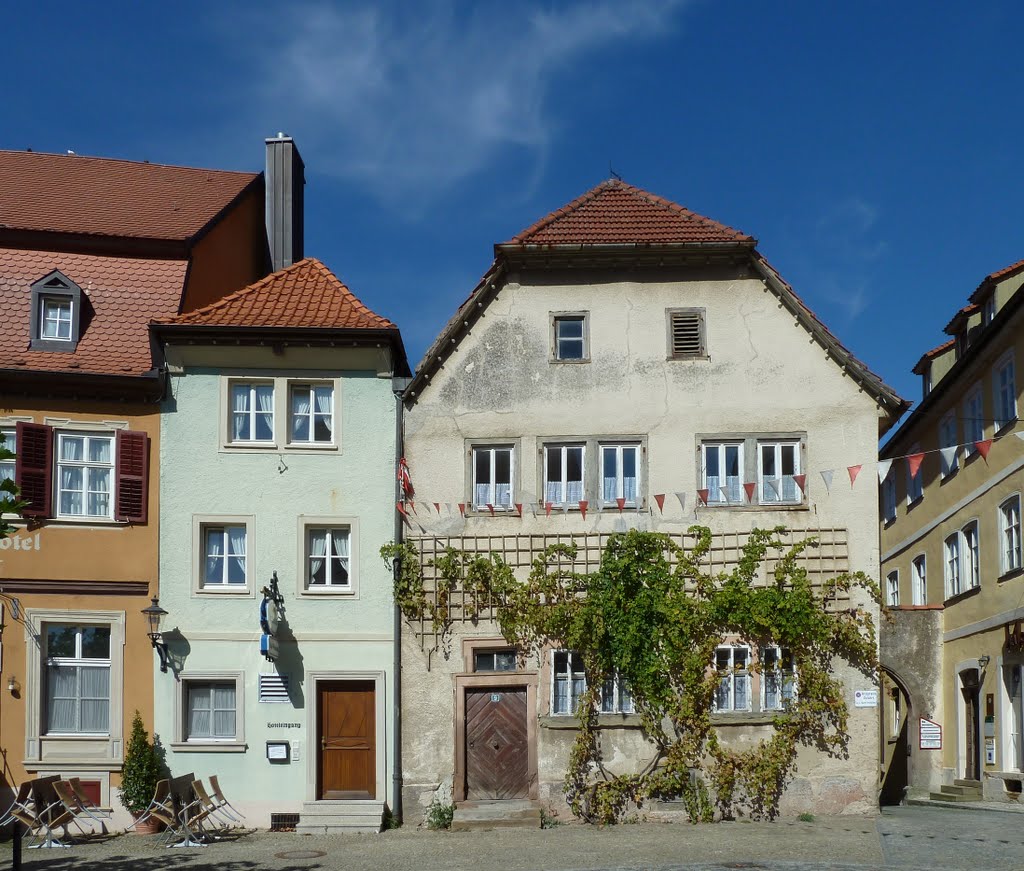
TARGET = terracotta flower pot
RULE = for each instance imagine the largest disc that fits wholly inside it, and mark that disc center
(149, 826)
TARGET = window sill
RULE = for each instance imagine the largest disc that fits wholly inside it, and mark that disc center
(208, 747)
(1011, 574)
(311, 446)
(569, 362)
(75, 736)
(912, 505)
(759, 506)
(688, 357)
(959, 597)
(746, 718)
(1004, 429)
(249, 446)
(80, 520)
(240, 592)
(604, 721)
(339, 593)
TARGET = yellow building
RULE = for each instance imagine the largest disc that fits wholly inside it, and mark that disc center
(951, 485)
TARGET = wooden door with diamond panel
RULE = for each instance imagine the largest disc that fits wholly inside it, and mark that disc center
(497, 750)
(347, 733)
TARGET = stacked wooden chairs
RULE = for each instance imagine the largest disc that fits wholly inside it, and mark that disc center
(48, 804)
(191, 815)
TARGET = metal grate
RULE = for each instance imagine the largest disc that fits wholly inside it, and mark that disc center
(283, 822)
(687, 334)
(274, 688)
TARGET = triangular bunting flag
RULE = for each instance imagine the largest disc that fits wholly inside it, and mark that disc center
(401, 509)
(983, 448)
(801, 482)
(773, 485)
(914, 464)
(412, 505)
(749, 489)
(621, 502)
(682, 500)
(725, 493)
(437, 507)
(703, 496)
(490, 508)
(1020, 435)
(660, 499)
(583, 508)
(948, 456)
(854, 472)
(519, 508)
(547, 509)
(883, 469)
(462, 508)
(826, 476)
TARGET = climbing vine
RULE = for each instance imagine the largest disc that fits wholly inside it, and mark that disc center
(654, 614)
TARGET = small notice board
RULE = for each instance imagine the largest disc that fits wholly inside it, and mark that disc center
(931, 735)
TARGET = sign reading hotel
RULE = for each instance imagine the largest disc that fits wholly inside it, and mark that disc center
(931, 735)
(20, 541)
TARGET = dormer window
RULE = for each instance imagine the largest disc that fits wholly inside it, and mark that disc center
(56, 313)
(989, 310)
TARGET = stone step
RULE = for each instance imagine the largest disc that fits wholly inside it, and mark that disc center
(478, 815)
(953, 796)
(327, 817)
(956, 789)
(975, 783)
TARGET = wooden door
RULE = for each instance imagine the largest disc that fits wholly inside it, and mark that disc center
(347, 737)
(973, 770)
(497, 751)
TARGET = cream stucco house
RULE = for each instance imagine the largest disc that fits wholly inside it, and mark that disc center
(625, 363)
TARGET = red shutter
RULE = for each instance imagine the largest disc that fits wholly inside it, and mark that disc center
(33, 469)
(131, 480)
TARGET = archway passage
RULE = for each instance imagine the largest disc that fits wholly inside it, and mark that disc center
(894, 729)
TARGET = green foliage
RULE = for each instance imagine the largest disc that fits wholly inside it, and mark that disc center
(439, 816)
(549, 819)
(390, 821)
(654, 614)
(806, 818)
(141, 771)
(10, 504)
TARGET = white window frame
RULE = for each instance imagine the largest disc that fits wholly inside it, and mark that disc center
(181, 741)
(1004, 392)
(889, 498)
(88, 467)
(730, 675)
(1009, 535)
(492, 450)
(307, 523)
(558, 318)
(970, 554)
(253, 412)
(974, 419)
(9, 440)
(61, 302)
(892, 589)
(782, 674)
(620, 449)
(951, 565)
(915, 483)
(764, 494)
(575, 672)
(282, 420)
(563, 484)
(948, 435)
(311, 416)
(200, 524)
(78, 661)
(715, 493)
(919, 580)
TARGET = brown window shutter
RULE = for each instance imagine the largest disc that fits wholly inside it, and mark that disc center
(131, 480)
(33, 468)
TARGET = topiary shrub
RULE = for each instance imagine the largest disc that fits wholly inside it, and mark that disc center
(141, 769)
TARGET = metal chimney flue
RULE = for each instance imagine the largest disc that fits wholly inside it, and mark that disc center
(285, 180)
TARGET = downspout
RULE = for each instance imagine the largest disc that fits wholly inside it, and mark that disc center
(398, 386)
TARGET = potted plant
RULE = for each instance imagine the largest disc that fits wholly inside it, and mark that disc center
(139, 775)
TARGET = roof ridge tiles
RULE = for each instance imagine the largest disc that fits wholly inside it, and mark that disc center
(130, 162)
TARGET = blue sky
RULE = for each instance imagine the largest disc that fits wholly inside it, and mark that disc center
(872, 148)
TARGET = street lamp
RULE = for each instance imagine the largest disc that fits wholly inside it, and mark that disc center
(154, 614)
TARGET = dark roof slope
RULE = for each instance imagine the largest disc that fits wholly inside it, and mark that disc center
(93, 196)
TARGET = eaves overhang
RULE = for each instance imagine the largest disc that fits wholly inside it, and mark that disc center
(40, 383)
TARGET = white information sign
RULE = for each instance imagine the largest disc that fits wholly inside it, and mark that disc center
(931, 735)
(865, 698)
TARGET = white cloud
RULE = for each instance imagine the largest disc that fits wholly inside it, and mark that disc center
(411, 99)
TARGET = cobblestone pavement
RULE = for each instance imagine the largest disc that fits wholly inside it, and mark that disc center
(901, 838)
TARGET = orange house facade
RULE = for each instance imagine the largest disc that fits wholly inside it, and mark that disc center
(81, 278)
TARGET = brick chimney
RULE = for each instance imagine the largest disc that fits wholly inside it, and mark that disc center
(285, 178)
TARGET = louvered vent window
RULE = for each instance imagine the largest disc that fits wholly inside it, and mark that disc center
(686, 333)
(274, 688)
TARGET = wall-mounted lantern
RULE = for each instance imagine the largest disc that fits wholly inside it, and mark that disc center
(154, 614)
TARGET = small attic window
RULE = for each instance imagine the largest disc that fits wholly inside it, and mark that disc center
(686, 334)
(56, 313)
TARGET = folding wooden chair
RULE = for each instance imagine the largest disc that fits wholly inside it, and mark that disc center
(218, 795)
(22, 800)
(71, 804)
(84, 800)
(161, 800)
(189, 813)
(48, 813)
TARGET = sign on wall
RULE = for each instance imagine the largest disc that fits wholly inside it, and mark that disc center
(20, 541)
(865, 698)
(931, 735)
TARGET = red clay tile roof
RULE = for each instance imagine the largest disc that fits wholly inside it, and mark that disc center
(306, 294)
(966, 311)
(124, 295)
(616, 213)
(989, 280)
(931, 355)
(95, 196)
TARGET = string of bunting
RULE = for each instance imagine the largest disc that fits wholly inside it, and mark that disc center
(915, 461)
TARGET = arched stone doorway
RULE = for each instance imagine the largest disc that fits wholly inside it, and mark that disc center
(894, 730)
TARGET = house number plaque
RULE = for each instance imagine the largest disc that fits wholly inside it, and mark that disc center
(495, 697)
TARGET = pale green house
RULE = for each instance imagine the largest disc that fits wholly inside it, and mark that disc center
(277, 462)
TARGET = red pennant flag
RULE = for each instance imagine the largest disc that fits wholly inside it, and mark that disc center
(983, 448)
(621, 502)
(462, 508)
(490, 508)
(547, 509)
(854, 472)
(401, 509)
(801, 480)
(404, 478)
(519, 508)
(412, 505)
(750, 488)
(660, 499)
(583, 508)
(914, 464)
(703, 496)
(437, 507)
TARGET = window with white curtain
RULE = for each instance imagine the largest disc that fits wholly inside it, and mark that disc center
(778, 463)
(311, 414)
(8, 441)
(732, 662)
(252, 412)
(563, 474)
(892, 589)
(778, 678)
(620, 474)
(971, 567)
(327, 561)
(1005, 389)
(722, 472)
(225, 558)
(1009, 528)
(210, 710)
(919, 581)
(85, 473)
(77, 679)
(492, 477)
(974, 420)
(569, 683)
(951, 564)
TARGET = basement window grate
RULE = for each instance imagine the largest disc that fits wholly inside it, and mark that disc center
(274, 688)
(283, 822)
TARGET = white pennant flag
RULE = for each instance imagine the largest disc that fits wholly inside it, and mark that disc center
(883, 469)
(1020, 435)
(826, 476)
(725, 493)
(773, 483)
(682, 501)
(948, 458)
